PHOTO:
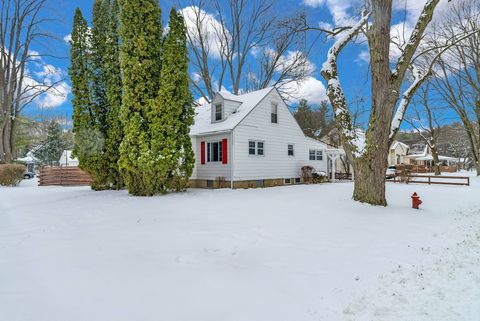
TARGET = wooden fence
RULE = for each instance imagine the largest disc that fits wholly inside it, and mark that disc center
(63, 176)
(426, 169)
(432, 180)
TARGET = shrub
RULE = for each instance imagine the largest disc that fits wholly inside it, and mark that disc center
(11, 174)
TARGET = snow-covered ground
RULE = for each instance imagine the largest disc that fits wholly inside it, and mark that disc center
(295, 253)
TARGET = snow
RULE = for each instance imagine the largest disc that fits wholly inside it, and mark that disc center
(418, 77)
(203, 117)
(305, 252)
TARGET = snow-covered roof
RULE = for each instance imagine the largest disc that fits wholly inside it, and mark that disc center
(430, 157)
(203, 121)
(396, 143)
(422, 154)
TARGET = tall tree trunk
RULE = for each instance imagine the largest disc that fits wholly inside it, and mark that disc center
(6, 146)
(371, 168)
(369, 184)
(436, 161)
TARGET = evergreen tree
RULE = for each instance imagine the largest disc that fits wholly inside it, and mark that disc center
(315, 122)
(52, 146)
(113, 83)
(141, 33)
(86, 142)
(172, 113)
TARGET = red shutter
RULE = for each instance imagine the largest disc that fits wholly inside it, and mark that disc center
(202, 152)
(224, 151)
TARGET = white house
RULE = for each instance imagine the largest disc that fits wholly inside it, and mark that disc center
(67, 159)
(397, 153)
(426, 159)
(251, 140)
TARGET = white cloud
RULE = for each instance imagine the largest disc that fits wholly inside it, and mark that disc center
(68, 38)
(313, 3)
(55, 97)
(342, 11)
(363, 57)
(298, 60)
(210, 29)
(48, 82)
(310, 89)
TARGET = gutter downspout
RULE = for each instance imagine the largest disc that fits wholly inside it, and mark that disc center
(232, 162)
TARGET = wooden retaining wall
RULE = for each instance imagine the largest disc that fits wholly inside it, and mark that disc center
(63, 176)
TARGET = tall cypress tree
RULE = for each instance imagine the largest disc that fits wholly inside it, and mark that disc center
(97, 164)
(83, 113)
(141, 33)
(174, 111)
(113, 82)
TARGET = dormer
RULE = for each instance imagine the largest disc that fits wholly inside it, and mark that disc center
(223, 105)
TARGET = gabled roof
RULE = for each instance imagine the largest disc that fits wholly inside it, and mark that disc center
(203, 118)
(396, 143)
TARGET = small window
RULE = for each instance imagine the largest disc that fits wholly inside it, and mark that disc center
(209, 183)
(251, 148)
(256, 148)
(259, 148)
(297, 180)
(314, 154)
(288, 181)
(274, 114)
(290, 150)
(214, 152)
(218, 112)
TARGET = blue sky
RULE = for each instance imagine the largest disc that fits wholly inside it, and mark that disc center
(353, 66)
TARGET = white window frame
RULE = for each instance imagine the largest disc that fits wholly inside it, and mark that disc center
(209, 148)
(293, 150)
(317, 155)
(215, 112)
(256, 148)
(274, 111)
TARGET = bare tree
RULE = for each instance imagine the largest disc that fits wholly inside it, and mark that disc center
(425, 121)
(457, 74)
(20, 23)
(368, 151)
(245, 44)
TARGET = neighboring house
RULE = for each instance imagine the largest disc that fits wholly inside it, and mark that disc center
(251, 140)
(426, 159)
(67, 159)
(30, 161)
(397, 153)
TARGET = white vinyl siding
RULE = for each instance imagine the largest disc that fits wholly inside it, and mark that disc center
(276, 163)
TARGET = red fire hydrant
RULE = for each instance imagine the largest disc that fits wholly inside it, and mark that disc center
(416, 201)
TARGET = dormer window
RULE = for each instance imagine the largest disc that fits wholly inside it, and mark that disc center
(274, 114)
(218, 112)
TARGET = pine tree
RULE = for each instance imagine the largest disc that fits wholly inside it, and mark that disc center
(141, 33)
(52, 146)
(114, 96)
(173, 111)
